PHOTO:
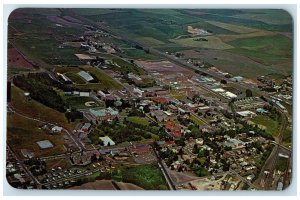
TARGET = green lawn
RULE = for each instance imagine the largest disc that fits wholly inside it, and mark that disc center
(75, 78)
(281, 164)
(138, 120)
(126, 67)
(106, 82)
(287, 136)
(79, 102)
(148, 177)
(271, 126)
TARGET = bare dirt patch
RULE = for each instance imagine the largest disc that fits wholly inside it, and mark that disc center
(15, 59)
(163, 67)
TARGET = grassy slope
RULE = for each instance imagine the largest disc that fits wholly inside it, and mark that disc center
(36, 110)
(148, 177)
(23, 133)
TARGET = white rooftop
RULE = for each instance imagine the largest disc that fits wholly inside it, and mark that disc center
(85, 75)
(107, 140)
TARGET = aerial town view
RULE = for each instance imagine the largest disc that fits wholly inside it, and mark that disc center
(149, 99)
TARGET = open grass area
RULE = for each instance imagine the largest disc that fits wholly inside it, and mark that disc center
(266, 50)
(23, 133)
(150, 41)
(287, 137)
(106, 82)
(265, 122)
(138, 120)
(260, 33)
(36, 110)
(63, 163)
(79, 102)
(65, 69)
(126, 67)
(75, 78)
(282, 164)
(11, 71)
(149, 177)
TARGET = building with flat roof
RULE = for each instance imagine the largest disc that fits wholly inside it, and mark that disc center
(246, 113)
(107, 141)
(56, 129)
(45, 144)
(85, 75)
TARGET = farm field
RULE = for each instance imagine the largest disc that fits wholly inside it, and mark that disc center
(266, 16)
(133, 53)
(233, 28)
(268, 50)
(212, 43)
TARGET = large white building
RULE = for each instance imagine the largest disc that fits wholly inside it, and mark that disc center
(86, 76)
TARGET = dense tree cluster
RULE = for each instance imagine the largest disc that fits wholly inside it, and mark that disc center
(40, 90)
(126, 131)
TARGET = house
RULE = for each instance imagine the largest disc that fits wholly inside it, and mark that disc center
(105, 95)
(161, 100)
(27, 153)
(161, 115)
(236, 79)
(85, 127)
(138, 92)
(175, 129)
(56, 129)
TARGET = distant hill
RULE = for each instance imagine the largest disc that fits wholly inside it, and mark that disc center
(107, 185)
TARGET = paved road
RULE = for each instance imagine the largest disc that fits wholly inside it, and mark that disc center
(27, 171)
(164, 171)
